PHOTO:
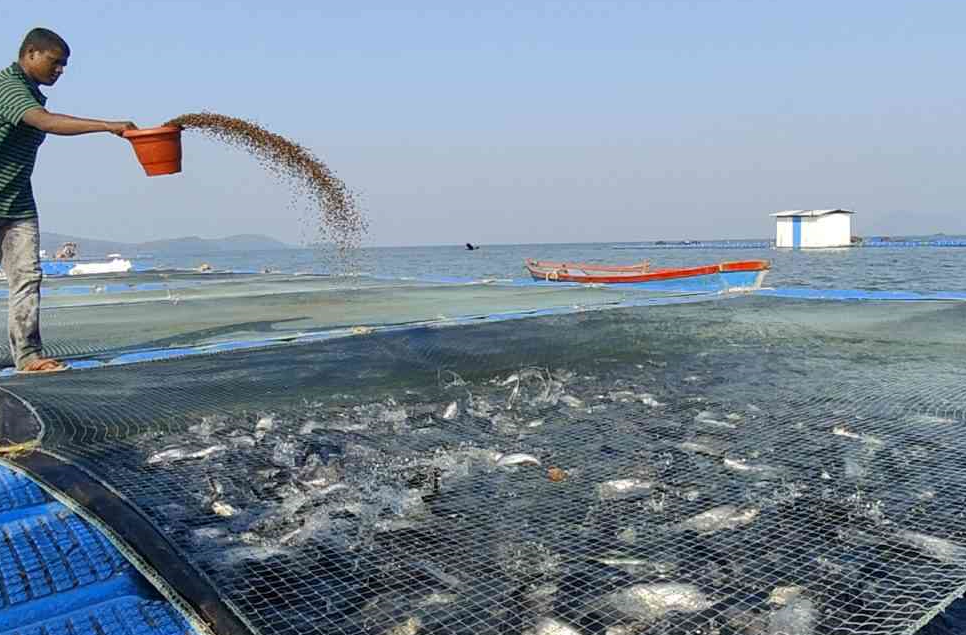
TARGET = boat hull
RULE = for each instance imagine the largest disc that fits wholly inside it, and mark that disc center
(739, 275)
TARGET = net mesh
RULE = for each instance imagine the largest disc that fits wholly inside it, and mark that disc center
(748, 465)
(120, 313)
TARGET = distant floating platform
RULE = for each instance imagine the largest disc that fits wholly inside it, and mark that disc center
(770, 244)
(695, 244)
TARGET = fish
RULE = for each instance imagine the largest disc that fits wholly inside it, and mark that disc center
(782, 595)
(931, 419)
(517, 458)
(736, 465)
(721, 517)
(708, 417)
(638, 565)
(572, 401)
(551, 626)
(622, 395)
(173, 455)
(223, 509)
(648, 400)
(933, 546)
(796, 618)
(409, 626)
(509, 380)
(655, 600)
(243, 441)
(623, 488)
(437, 598)
(311, 426)
(329, 489)
(451, 411)
(514, 394)
(842, 431)
(622, 562)
(700, 448)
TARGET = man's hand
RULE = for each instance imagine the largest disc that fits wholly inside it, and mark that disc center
(118, 127)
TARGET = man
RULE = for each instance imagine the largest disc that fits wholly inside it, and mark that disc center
(24, 122)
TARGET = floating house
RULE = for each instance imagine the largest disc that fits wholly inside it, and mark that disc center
(813, 228)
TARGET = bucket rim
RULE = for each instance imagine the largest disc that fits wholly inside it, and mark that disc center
(151, 132)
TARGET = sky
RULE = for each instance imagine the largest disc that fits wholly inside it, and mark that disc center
(522, 122)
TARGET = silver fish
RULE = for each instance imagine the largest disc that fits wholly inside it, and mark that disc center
(329, 489)
(938, 548)
(648, 400)
(782, 595)
(931, 419)
(409, 626)
(311, 426)
(623, 562)
(623, 488)
(621, 395)
(517, 458)
(223, 509)
(551, 626)
(708, 418)
(173, 455)
(572, 401)
(721, 517)
(242, 441)
(451, 411)
(700, 448)
(748, 468)
(653, 601)
(842, 431)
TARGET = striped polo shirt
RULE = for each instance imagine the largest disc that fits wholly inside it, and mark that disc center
(18, 142)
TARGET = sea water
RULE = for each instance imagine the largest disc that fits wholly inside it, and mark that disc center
(917, 269)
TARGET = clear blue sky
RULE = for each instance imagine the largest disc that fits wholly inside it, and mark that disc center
(516, 122)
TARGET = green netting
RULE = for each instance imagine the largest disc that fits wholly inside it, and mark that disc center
(155, 311)
(748, 465)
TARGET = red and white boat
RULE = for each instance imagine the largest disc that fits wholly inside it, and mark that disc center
(737, 275)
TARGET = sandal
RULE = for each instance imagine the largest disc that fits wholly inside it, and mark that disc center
(43, 365)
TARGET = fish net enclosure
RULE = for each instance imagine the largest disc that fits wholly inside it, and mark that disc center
(737, 465)
(114, 314)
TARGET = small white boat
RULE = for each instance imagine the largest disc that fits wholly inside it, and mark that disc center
(118, 265)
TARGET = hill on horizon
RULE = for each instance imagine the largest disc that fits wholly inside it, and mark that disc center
(93, 247)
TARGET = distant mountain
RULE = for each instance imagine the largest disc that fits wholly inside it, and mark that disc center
(188, 245)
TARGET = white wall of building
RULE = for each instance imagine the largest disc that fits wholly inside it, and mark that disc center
(836, 230)
(828, 230)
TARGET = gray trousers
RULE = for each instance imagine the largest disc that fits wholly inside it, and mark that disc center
(20, 259)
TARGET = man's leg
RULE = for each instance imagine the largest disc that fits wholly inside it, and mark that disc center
(20, 259)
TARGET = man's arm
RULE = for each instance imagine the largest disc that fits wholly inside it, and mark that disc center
(53, 123)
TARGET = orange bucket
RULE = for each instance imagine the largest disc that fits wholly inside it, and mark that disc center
(158, 149)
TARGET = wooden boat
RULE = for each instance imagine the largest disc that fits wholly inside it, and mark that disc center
(744, 274)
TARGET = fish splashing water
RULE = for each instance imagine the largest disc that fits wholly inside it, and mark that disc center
(796, 618)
